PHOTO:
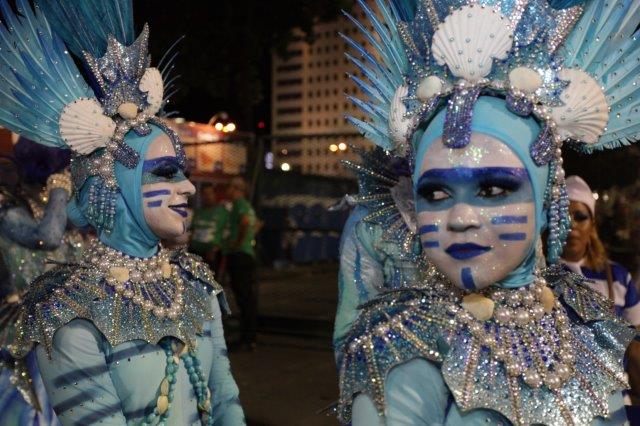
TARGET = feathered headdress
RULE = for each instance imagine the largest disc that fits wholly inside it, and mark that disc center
(573, 65)
(44, 97)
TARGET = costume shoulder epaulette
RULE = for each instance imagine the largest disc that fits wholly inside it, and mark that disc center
(394, 328)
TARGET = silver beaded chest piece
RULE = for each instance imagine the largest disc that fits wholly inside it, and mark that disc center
(548, 353)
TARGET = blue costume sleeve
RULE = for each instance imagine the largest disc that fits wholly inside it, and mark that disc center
(360, 275)
(415, 394)
(19, 226)
(226, 407)
(77, 377)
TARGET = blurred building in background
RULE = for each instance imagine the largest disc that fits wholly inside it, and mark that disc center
(308, 103)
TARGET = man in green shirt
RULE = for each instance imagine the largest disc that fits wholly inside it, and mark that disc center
(241, 260)
(209, 227)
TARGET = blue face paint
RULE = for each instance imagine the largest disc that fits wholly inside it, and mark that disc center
(162, 169)
(156, 203)
(466, 251)
(513, 236)
(151, 194)
(441, 189)
(508, 220)
(467, 279)
(180, 209)
(425, 229)
(430, 244)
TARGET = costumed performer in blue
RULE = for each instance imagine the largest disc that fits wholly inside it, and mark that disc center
(448, 312)
(34, 190)
(131, 333)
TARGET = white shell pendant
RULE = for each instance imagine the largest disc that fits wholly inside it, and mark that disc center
(469, 39)
(525, 79)
(151, 83)
(83, 126)
(429, 87)
(585, 112)
(398, 124)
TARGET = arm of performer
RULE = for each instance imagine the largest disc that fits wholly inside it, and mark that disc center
(18, 224)
(359, 276)
(225, 401)
(77, 377)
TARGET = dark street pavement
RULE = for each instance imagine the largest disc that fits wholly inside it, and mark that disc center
(291, 374)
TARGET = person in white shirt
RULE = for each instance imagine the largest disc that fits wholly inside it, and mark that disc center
(584, 254)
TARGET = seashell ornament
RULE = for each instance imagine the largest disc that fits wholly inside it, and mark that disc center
(429, 87)
(151, 83)
(525, 80)
(479, 306)
(128, 110)
(399, 125)
(469, 39)
(585, 112)
(84, 127)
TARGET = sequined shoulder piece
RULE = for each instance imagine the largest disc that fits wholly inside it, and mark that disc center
(197, 269)
(130, 313)
(392, 329)
(574, 291)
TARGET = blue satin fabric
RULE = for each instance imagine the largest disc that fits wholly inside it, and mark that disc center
(131, 234)
(491, 117)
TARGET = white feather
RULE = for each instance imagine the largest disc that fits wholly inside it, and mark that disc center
(585, 112)
(151, 83)
(469, 39)
(399, 125)
(83, 126)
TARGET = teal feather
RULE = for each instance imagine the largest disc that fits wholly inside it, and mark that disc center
(86, 25)
(604, 45)
(369, 131)
(377, 114)
(39, 76)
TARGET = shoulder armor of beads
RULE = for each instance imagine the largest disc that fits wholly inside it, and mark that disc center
(392, 329)
(197, 269)
(574, 292)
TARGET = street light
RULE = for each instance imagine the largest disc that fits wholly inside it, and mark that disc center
(220, 115)
(333, 147)
(285, 167)
(342, 146)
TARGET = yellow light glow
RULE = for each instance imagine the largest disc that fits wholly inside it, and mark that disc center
(342, 146)
(231, 127)
(179, 120)
(333, 147)
(285, 167)
(219, 126)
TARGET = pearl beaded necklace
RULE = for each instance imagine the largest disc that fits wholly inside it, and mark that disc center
(148, 283)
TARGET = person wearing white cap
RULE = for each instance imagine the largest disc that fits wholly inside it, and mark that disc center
(584, 254)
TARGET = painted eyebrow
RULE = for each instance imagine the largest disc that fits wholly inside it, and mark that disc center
(154, 162)
(463, 174)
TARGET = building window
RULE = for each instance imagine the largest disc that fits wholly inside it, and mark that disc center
(289, 67)
(293, 53)
(292, 110)
(289, 125)
(289, 96)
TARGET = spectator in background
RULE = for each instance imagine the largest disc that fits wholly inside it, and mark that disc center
(208, 228)
(584, 254)
(241, 260)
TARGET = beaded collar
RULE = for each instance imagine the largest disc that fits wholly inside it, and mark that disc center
(521, 352)
(124, 297)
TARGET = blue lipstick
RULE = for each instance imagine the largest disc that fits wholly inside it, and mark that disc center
(179, 208)
(466, 251)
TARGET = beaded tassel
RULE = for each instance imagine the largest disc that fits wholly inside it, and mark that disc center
(166, 391)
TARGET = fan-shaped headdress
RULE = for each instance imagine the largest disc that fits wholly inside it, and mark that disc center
(572, 65)
(44, 97)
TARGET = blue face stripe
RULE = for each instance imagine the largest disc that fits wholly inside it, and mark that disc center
(156, 203)
(513, 236)
(469, 185)
(466, 174)
(156, 193)
(508, 220)
(425, 229)
(467, 279)
(152, 163)
(430, 244)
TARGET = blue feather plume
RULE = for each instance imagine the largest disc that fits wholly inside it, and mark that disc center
(37, 75)
(86, 25)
